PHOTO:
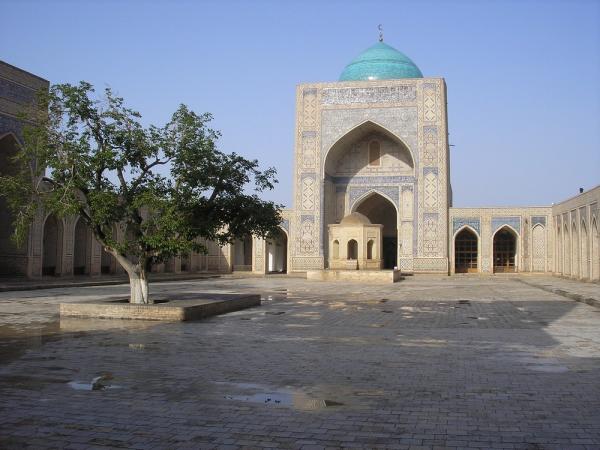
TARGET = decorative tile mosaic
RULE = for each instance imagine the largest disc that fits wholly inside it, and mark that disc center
(459, 222)
(514, 222)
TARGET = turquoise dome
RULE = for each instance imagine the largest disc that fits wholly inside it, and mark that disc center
(380, 62)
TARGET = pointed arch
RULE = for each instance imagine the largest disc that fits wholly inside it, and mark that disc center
(584, 251)
(575, 260)
(466, 250)
(595, 255)
(559, 255)
(566, 250)
(356, 203)
(357, 133)
(505, 243)
(82, 248)
(52, 246)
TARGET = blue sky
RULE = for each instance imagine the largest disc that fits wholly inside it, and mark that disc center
(523, 76)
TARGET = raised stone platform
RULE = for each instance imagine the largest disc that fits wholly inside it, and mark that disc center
(172, 310)
(362, 276)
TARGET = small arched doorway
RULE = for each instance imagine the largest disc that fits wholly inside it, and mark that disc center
(82, 249)
(466, 251)
(52, 246)
(277, 252)
(505, 251)
(352, 252)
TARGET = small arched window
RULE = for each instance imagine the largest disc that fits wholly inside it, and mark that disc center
(336, 249)
(374, 153)
(352, 249)
(370, 249)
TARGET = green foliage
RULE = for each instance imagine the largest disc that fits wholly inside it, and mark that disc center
(169, 185)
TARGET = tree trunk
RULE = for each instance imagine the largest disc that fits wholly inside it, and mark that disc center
(138, 282)
(138, 278)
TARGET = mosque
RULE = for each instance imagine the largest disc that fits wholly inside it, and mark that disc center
(371, 195)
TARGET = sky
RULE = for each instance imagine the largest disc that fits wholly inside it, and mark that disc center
(523, 77)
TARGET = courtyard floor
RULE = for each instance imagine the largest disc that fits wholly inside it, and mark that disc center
(430, 362)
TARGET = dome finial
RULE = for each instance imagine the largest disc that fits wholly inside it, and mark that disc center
(380, 28)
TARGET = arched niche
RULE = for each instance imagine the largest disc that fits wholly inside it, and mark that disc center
(566, 251)
(52, 246)
(538, 248)
(350, 154)
(585, 252)
(82, 248)
(574, 250)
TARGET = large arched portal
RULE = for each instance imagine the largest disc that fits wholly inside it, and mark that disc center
(52, 246)
(505, 251)
(465, 251)
(276, 246)
(381, 211)
(366, 156)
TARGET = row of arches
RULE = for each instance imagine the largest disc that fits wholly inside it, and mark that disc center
(72, 250)
(577, 250)
(352, 249)
(467, 249)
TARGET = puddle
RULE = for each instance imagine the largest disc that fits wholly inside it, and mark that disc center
(280, 397)
(97, 384)
(275, 313)
(137, 347)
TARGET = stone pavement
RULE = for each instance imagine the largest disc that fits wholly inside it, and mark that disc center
(431, 362)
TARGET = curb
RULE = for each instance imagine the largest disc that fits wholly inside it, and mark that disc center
(577, 297)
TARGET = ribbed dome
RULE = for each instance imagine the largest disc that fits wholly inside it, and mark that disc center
(380, 62)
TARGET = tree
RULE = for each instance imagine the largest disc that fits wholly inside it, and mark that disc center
(169, 185)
